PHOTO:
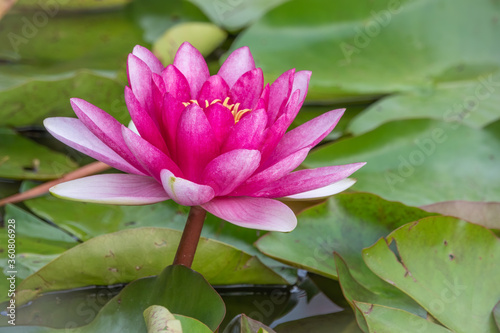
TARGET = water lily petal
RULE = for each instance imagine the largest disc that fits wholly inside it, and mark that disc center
(255, 213)
(276, 171)
(72, 132)
(157, 93)
(238, 63)
(143, 122)
(306, 135)
(276, 131)
(149, 59)
(172, 110)
(114, 189)
(151, 158)
(176, 84)
(139, 77)
(105, 128)
(323, 192)
(248, 132)
(301, 82)
(229, 170)
(221, 120)
(264, 99)
(214, 88)
(192, 64)
(279, 94)
(196, 143)
(185, 192)
(307, 180)
(247, 89)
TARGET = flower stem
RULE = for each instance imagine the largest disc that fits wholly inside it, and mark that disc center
(190, 237)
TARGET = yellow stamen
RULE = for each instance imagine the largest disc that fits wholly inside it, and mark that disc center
(240, 114)
(191, 102)
(234, 108)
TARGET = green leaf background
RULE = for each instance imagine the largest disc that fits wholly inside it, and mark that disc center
(420, 81)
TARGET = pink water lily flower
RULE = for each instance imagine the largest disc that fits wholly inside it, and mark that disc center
(216, 141)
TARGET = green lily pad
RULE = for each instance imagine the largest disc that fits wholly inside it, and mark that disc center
(37, 243)
(29, 225)
(355, 292)
(203, 36)
(49, 97)
(389, 320)
(130, 254)
(157, 16)
(245, 324)
(71, 5)
(21, 158)
(346, 223)
(483, 213)
(363, 49)
(185, 292)
(449, 266)
(234, 15)
(88, 220)
(419, 162)
(330, 287)
(309, 112)
(37, 39)
(473, 102)
(338, 322)
(496, 314)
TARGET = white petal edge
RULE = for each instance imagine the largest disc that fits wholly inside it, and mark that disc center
(114, 189)
(131, 126)
(323, 192)
(253, 213)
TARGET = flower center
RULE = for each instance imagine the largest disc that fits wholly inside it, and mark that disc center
(234, 108)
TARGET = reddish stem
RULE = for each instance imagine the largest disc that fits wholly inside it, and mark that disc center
(86, 170)
(190, 237)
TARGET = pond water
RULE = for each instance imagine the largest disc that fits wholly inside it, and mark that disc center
(271, 305)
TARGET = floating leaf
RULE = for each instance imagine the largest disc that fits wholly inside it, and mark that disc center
(157, 16)
(53, 43)
(474, 102)
(130, 254)
(37, 243)
(346, 223)
(389, 320)
(203, 36)
(29, 225)
(21, 158)
(235, 14)
(339, 322)
(245, 324)
(74, 5)
(49, 97)
(355, 292)
(180, 289)
(448, 266)
(483, 213)
(496, 314)
(418, 162)
(363, 49)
